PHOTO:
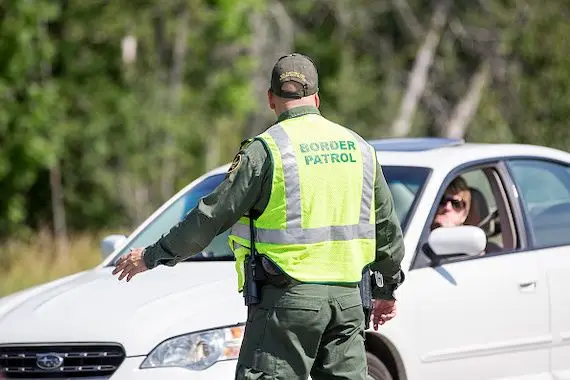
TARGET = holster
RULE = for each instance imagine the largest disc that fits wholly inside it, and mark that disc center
(259, 271)
(366, 294)
(251, 290)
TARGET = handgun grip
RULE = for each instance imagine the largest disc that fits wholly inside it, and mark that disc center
(251, 292)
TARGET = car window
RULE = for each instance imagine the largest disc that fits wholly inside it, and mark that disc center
(405, 183)
(481, 211)
(544, 189)
(479, 181)
(218, 249)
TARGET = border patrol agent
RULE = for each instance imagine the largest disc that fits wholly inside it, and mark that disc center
(309, 197)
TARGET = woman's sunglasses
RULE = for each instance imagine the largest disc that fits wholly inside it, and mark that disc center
(457, 204)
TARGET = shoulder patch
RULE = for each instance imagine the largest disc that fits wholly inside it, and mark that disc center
(235, 163)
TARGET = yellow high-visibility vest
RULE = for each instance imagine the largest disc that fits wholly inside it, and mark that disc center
(319, 223)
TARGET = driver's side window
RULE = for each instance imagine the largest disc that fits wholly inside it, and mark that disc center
(475, 198)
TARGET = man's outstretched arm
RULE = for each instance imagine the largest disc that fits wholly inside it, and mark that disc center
(214, 214)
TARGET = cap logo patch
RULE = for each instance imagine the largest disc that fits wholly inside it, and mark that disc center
(292, 74)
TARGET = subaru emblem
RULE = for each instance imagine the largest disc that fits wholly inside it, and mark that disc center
(49, 361)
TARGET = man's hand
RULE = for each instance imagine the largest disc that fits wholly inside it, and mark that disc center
(130, 264)
(382, 312)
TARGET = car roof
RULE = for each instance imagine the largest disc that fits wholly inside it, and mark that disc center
(446, 153)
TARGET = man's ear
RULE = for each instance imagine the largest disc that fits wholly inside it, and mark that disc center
(317, 100)
(270, 99)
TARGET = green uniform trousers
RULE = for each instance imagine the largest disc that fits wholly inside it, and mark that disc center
(304, 329)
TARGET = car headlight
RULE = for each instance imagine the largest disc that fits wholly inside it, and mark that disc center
(197, 351)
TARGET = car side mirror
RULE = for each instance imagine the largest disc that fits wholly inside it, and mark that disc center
(110, 243)
(447, 242)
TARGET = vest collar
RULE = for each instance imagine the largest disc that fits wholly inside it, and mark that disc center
(297, 111)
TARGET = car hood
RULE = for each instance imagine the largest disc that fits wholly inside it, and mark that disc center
(94, 306)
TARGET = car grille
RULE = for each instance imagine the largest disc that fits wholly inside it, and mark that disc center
(60, 361)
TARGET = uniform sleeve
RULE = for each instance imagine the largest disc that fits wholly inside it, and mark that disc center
(389, 240)
(216, 212)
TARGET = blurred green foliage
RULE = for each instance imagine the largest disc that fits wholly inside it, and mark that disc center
(125, 134)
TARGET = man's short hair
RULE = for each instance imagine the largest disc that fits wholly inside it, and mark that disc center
(291, 86)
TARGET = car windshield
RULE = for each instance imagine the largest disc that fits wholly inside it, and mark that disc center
(405, 184)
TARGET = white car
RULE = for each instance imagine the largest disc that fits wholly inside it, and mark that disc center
(504, 314)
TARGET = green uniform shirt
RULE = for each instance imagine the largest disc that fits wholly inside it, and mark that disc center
(247, 187)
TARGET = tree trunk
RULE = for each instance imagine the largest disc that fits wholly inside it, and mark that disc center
(58, 209)
(419, 75)
(408, 18)
(213, 149)
(47, 31)
(466, 107)
(273, 34)
(168, 172)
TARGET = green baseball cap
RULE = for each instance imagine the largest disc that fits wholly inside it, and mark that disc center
(296, 68)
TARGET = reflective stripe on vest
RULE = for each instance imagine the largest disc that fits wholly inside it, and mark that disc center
(294, 232)
(313, 244)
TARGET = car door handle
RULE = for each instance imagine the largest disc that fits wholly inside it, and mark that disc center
(527, 286)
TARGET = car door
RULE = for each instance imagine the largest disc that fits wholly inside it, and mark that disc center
(544, 189)
(484, 317)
